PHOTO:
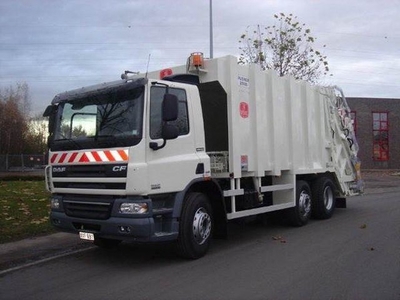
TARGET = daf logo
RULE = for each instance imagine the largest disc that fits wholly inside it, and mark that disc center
(119, 168)
(59, 169)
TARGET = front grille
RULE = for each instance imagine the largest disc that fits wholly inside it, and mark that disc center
(90, 171)
(88, 208)
(91, 185)
(75, 176)
(84, 226)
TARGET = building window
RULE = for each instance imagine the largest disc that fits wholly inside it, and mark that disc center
(380, 131)
(353, 116)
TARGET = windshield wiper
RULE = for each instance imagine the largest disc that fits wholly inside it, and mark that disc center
(104, 136)
(105, 140)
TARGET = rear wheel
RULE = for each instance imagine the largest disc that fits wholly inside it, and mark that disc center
(324, 200)
(300, 214)
(195, 227)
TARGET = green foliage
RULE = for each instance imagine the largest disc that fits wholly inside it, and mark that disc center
(24, 210)
(286, 47)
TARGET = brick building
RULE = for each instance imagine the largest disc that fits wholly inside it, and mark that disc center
(377, 125)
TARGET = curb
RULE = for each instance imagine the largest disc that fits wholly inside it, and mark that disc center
(30, 250)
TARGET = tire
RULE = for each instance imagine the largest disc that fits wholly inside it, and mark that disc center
(324, 200)
(196, 225)
(301, 213)
(106, 243)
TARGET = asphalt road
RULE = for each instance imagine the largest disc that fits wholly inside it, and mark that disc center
(354, 255)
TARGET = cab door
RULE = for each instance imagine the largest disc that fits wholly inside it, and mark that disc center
(173, 166)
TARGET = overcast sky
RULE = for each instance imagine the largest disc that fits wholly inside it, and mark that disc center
(55, 45)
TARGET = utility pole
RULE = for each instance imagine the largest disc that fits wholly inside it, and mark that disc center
(211, 32)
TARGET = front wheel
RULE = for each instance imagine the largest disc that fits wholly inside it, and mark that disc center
(300, 214)
(196, 225)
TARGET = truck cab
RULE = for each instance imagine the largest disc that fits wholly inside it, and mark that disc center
(113, 170)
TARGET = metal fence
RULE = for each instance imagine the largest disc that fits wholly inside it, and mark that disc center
(22, 162)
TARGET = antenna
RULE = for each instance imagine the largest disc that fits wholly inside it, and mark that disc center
(148, 62)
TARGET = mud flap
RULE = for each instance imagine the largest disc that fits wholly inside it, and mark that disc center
(341, 203)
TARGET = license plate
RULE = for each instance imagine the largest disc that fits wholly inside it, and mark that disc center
(86, 236)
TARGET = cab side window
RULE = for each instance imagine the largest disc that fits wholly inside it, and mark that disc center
(156, 97)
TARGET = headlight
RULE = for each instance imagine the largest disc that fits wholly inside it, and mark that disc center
(133, 208)
(55, 203)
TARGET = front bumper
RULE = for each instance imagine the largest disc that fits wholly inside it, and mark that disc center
(156, 225)
(140, 229)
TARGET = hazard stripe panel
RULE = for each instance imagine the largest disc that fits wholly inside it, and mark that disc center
(115, 155)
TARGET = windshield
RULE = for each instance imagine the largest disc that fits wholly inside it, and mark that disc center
(112, 119)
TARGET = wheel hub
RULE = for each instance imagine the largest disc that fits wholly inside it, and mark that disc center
(304, 203)
(201, 226)
(328, 198)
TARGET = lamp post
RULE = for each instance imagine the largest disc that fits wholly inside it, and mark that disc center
(211, 32)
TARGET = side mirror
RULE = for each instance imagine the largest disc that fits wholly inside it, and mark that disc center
(50, 112)
(169, 113)
(169, 132)
(170, 108)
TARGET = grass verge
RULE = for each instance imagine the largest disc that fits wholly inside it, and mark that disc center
(24, 210)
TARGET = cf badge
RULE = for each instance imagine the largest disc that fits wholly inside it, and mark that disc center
(119, 168)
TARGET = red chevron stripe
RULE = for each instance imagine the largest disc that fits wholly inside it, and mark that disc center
(73, 156)
(63, 156)
(123, 155)
(53, 158)
(96, 156)
(109, 156)
(84, 158)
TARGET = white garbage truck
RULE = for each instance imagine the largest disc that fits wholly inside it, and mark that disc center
(174, 155)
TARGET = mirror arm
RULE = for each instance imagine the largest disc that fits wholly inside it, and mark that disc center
(154, 145)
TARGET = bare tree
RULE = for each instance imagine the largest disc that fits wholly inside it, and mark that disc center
(36, 135)
(76, 132)
(286, 47)
(14, 115)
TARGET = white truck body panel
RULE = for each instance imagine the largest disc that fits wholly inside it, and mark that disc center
(279, 125)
